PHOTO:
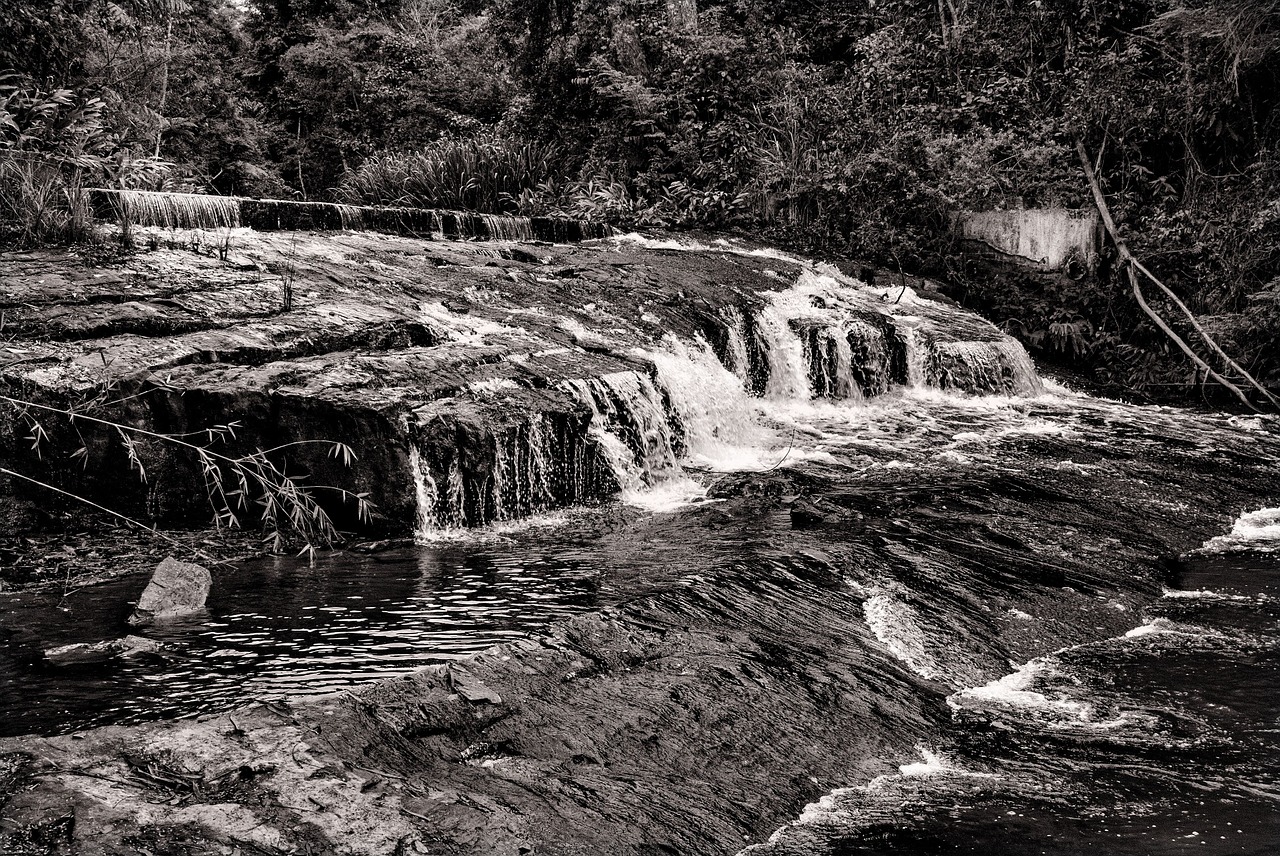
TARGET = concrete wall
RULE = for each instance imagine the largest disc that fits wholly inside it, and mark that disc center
(1048, 236)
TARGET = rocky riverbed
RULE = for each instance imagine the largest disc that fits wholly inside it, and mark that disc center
(858, 538)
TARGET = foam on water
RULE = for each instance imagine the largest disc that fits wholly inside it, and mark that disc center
(897, 625)
(1203, 594)
(689, 245)
(1253, 530)
(498, 530)
(933, 764)
(1015, 693)
(667, 496)
(492, 385)
(841, 805)
(462, 327)
(1160, 625)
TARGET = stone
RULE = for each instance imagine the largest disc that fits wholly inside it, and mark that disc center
(176, 589)
(93, 653)
(471, 688)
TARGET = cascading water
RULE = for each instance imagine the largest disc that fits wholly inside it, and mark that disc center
(999, 366)
(467, 475)
(509, 228)
(177, 210)
(788, 372)
(629, 407)
(737, 359)
(826, 337)
(425, 492)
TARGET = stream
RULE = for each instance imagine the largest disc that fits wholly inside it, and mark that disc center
(1084, 590)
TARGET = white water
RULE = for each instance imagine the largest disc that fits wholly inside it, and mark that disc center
(826, 351)
(897, 625)
(1253, 530)
(736, 326)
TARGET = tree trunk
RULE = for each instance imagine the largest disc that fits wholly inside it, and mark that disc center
(1133, 267)
(682, 15)
(164, 84)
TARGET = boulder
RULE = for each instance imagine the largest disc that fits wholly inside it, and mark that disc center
(176, 589)
(91, 653)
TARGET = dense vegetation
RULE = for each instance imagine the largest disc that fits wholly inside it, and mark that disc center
(853, 128)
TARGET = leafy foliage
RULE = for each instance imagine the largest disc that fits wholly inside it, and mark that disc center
(842, 127)
(484, 172)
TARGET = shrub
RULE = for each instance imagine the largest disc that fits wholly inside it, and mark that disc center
(49, 143)
(39, 204)
(486, 172)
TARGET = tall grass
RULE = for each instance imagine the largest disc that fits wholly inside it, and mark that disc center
(40, 202)
(487, 172)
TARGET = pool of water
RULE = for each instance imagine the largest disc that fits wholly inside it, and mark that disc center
(276, 627)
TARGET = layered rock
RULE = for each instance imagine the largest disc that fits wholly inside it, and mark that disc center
(464, 379)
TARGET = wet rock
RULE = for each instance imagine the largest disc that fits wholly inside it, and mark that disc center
(805, 514)
(93, 653)
(176, 589)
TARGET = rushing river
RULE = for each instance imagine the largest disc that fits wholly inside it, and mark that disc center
(1080, 595)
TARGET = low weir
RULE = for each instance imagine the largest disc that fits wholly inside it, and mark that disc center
(205, 211)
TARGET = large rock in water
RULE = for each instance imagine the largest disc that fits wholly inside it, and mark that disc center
(176, 589)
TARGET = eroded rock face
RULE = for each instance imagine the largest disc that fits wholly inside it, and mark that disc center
(177, 589)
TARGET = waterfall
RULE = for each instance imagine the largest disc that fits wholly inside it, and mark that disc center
(177, 210)
(428, 496)
(509, 228)
(870, 361)
(788, 372)
(830, 363)
(737, 359)
(715, 416)
(469, 473)
(628, 406)
(634, 430)
(999, 366)
(206, 211)
(916, 354)
(351, 217)
(828, 337)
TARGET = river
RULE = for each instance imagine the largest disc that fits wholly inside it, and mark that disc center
(1068, 602)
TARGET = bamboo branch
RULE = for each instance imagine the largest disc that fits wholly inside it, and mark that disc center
(1131, 264)
(1207, 338)
(150, 530)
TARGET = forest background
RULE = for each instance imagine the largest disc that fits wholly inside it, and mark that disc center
(854, 129)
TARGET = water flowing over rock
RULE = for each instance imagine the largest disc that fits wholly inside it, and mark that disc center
(484, 383)
(198, 211)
